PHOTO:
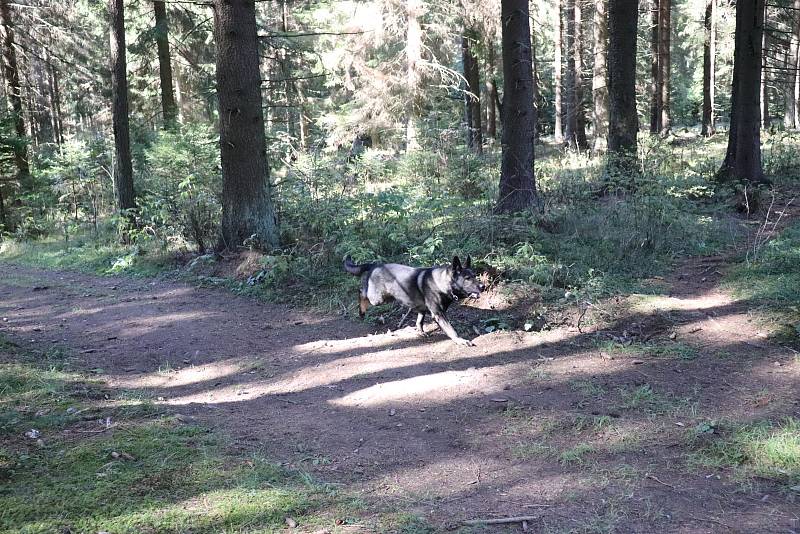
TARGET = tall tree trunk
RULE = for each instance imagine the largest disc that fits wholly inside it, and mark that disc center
(13, 90)
(517, 185)
(790, 101)
(743, 156)
(558, 128)
(797, 65)
(286, 74)
(764, 88)
(472, 96)
(664, 63)
(179, 93)
(623, 120)
(600, 76)
(168, 106)
(709, 68)
(576, 58)
(655, 70)
(123, 175)
(413, 59)
(491, 90)
(247, 210)
(536, 91)
(570, 99)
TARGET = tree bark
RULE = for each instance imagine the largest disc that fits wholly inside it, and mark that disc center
(655, 70)
(623, 119)
(472, 99)
(13, 89)
(743, 155)
(575, 118)
(413, 59)
(517, 184)
(789, 115)
(797, 65)
(664, 63)
(765, 43)
(600, 76)
(168, 106)
(123, 175)
(491, 91)
(709, 68)
(248, 214)
(558, 128)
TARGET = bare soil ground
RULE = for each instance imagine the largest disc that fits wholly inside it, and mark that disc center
(586, 429)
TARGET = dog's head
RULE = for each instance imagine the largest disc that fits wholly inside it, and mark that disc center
(463, 281)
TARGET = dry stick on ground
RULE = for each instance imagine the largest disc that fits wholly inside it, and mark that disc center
(501, 520)
(762, 235)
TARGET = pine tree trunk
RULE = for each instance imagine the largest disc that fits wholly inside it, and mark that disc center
(247, 210)
(123, 171)
(473, 102)
(491, 91)
(790, 101)
(655, 70)
(413, 59)
(664, 63)
(797, 65)
(558, 128)
(168, 106)
(517, 184)
(764, 88)
(13, 89)
(623, 119)
(286, 73)
(709, 68)
(577, 66)
(743, 156)
(600, 76)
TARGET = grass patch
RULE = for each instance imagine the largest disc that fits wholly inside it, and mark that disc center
(576, 455)
(148, 472)
(765, 449)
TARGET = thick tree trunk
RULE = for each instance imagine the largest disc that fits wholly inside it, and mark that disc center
(13, 89)
(472, 97)
(664, 63)
(491, 91)
(123, 175)
(517, 185)
(247, 210)
(168, 106)
(743, 156)
(623, 120)
(709, 68)
(413, 59)
(558, 128)
(600, 76)
(655, 70)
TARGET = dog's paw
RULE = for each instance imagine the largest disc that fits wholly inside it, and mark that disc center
(422, 333)
(464, 342)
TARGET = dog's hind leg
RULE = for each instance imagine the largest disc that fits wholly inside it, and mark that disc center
(363, 304)
(420, 320)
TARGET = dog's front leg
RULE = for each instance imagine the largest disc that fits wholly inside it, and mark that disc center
(420, 320)
(448, 329)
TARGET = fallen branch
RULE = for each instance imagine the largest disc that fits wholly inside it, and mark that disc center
(501, 520)
(653, 477)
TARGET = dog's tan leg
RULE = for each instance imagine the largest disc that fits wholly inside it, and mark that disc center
(363, 303)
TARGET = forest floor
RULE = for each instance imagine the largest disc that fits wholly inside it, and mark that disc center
(677, 412)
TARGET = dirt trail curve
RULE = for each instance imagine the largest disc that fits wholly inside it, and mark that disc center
(425, 426)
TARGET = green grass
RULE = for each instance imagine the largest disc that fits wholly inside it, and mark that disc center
(148, 472)
(764, 449)
(577, 455)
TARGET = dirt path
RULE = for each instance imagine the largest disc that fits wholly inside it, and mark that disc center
(584, 430)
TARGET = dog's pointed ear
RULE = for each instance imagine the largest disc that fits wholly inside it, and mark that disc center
(468, 265)
(456, 264)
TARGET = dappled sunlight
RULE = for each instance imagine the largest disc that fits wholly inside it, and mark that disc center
(182, 377)
(663, 303)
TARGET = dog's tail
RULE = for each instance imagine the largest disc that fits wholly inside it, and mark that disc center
(354, 268)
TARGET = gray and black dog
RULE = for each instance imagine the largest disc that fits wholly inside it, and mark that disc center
(424, 290)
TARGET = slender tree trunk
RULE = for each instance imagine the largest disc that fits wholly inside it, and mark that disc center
(13, 89)
(623, 120)
(600, 76)
(472, 96)
(179, 94)
(413, 59)
(558, 128)
(764, 88)
(789, 115)
(709, 68)
(248, 214)
(3, 220)
(168, 106)
(665, 63)
(491, 91)
(536, 92)
(517, 184)
(123, 175)
(743, 156)
(655, 70)
(286, 73)
(577, 66)
(797, 65)
(55, 96)
(570, 98)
